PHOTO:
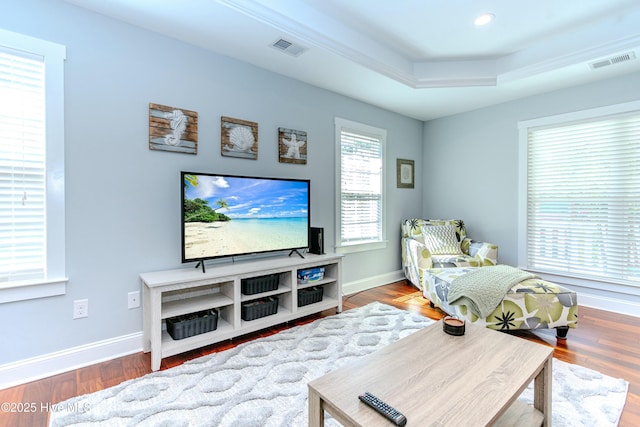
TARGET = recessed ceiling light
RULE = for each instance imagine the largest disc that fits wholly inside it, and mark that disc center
(484, 19)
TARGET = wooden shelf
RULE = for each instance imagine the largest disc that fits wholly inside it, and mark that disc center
(172, 293)
(194, 304)
(171, 346)
(280, 290)
(316, 283)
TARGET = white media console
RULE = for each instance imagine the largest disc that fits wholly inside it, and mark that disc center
(171, 293)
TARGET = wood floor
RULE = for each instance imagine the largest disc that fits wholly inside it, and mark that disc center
(604, 341)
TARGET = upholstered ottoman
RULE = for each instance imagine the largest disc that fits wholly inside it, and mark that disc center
(530, 304)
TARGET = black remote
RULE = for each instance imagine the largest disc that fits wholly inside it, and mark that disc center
(389, 412)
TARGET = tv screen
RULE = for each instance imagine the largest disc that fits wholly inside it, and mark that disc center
(227, 215)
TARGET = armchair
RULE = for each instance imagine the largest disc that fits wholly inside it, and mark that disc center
(427, 244)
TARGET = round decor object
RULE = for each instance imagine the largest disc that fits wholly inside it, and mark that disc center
(453, 325)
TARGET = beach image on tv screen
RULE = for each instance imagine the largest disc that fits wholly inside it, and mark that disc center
(226, 215)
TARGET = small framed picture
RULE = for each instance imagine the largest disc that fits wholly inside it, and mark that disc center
(173, 129)
(238, 138)
(292, 146)
(406, 173)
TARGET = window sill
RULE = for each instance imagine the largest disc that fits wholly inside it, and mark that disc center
(12, 292)
(598, 284)
(361, 247)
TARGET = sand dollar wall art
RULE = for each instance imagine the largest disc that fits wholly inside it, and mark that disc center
(292, 146)
(173, 129)
(238, 138)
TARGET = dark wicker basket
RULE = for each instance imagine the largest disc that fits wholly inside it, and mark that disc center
(262, 307)
(309, 295)
(188, 325)
(256, 285)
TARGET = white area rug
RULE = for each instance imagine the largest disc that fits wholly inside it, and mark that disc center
(264, 382)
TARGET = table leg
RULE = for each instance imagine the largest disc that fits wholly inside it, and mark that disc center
(542, 391)
(316, 413)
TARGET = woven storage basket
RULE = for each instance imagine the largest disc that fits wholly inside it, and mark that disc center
(259, 308)
(188, 325)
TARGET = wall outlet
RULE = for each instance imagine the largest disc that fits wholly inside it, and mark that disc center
(134, 299)
(80, 308)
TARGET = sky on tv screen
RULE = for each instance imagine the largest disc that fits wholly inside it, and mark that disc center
(252, 197)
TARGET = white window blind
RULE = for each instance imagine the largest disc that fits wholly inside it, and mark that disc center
(361, 204)
(583, 198)
(22, 166)
(32, 185)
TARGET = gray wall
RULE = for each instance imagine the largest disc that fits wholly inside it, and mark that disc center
(123, 200)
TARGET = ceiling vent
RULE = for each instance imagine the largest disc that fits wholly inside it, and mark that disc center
(613, 60)
(288, 47)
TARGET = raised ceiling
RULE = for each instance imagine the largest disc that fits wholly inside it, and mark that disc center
(421, 58)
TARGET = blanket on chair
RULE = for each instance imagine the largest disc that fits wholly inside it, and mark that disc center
(482, 290)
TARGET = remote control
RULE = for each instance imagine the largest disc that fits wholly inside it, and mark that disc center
(389, 412)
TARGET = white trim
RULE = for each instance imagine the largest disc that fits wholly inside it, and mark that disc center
(36, 368)
(315, 28)
(605, 296)
(19, 292)
(360, 247)
(54, 56)
(381, 134)
(39, 367)
(574, 116)
(372, 282)
(608, 304)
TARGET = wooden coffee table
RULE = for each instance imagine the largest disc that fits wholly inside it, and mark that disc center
(436, 379)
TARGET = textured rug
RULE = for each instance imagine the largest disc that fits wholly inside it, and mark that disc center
(264, 382)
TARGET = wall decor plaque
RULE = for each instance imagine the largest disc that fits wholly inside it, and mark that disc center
(292, 146)
(173, 129)
(238, 138)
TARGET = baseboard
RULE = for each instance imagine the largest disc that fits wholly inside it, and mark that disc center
(36, 368)
(614, 305)
(24, 371)
(371, 282)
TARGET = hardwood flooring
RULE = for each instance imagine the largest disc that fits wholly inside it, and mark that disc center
(604, 341)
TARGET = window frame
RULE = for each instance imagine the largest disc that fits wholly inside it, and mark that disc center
(366, 130)
(594, 114)
(55, 280)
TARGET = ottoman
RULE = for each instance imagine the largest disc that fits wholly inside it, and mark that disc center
(530, 304)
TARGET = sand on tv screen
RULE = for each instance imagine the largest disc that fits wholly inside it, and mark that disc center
(225, 215)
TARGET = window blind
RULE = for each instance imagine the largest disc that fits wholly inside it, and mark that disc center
(583, 198)
(22, 166)
(361, 187)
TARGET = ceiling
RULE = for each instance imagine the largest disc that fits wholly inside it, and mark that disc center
(421, 58)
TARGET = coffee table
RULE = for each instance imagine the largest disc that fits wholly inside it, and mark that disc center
(439, 380)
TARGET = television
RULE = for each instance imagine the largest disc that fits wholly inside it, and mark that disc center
(230, 215)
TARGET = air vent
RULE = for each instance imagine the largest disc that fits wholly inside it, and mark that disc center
(613, 60)
(288, 47)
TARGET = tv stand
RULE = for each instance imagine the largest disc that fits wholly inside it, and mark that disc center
(171, 293)
(296, 251)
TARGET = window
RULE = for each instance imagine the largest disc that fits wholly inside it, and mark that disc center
(360, 181)
(582, 208)
(32, 261)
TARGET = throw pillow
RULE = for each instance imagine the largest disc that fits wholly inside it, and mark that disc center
(441, 240)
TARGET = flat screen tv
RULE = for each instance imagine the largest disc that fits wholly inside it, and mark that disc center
(229, 215)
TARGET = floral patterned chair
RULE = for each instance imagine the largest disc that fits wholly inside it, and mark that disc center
(530, 304)
(422, 252)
